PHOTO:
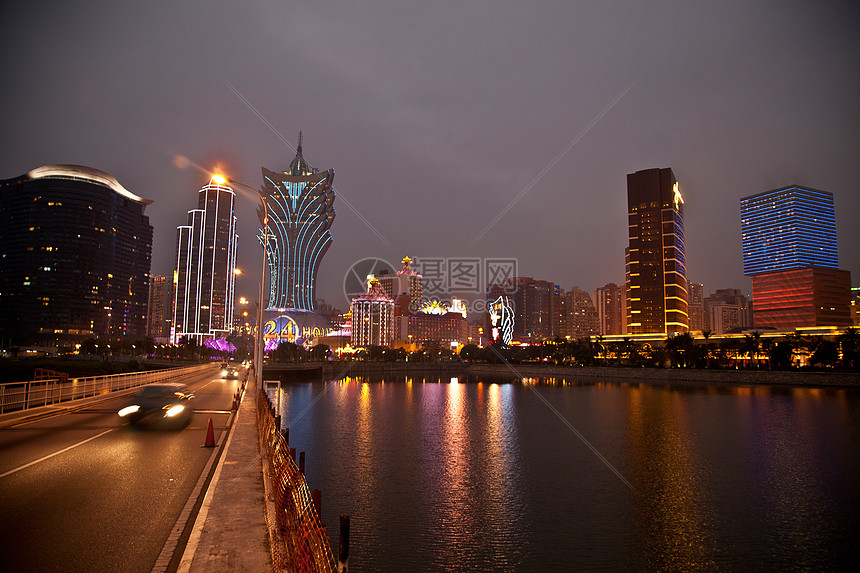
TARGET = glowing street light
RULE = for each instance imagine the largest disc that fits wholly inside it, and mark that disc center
(259, 349)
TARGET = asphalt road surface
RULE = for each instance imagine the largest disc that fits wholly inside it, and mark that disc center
(83, 492)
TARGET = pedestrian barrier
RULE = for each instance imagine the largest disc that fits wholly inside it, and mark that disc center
(34, 393)
(304, 546)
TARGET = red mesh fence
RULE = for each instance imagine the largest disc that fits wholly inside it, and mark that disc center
(304, 545)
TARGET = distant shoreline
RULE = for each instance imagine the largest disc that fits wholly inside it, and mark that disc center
(612, 373)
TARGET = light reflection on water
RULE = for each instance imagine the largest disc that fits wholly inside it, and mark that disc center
(468, 474)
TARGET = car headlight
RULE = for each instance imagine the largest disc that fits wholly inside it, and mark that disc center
(128, 410)
(174, 410)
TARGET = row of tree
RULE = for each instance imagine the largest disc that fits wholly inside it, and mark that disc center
(678, 351)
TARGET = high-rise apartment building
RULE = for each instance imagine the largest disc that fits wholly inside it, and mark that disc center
(205, 265)
(656, 275)
(160, 313)
(76, 248)
(695, 306)
(727, 310)
(580, 316)
(300, 205)
(609, 304)
(534, 304)
(789, 248)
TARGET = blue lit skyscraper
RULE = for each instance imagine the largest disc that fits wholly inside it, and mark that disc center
(788, 228)
(300, 203)
(789, 247)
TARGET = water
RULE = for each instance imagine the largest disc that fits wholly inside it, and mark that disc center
(465, 474)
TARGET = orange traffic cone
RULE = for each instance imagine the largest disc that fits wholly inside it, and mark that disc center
(210, 436)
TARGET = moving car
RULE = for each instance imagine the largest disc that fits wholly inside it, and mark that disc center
(162, 404)
(230, 372)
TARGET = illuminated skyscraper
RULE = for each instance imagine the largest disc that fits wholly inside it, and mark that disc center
(372, 317)
(75, 247)
(301, 211)
(404, 283)
(656, 287)
(788, 228)
(205, 265)
(789, 247)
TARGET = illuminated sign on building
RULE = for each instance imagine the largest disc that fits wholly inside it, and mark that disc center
(502, 319)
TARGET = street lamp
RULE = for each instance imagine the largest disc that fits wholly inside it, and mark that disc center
(259, 349)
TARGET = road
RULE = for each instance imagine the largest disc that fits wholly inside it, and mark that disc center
(82, 492)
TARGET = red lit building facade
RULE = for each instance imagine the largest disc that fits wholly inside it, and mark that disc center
(810, 296)
(789, 247)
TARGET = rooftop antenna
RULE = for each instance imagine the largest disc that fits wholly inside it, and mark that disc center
(299, 147)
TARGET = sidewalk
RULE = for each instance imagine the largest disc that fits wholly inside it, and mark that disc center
(230, 533)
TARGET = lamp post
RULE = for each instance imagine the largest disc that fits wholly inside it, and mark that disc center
(259, 349)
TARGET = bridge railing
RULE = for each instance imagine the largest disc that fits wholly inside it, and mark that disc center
(304, 546)
(31, 394)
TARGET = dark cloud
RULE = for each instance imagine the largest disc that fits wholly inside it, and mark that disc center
(436, 115)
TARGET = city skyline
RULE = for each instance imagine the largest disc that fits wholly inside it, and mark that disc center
(521, 132)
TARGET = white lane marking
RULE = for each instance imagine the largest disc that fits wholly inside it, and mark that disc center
(197, 530)
(42, 459)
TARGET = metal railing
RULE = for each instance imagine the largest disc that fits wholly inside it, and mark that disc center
(31, 394)
(304, 546)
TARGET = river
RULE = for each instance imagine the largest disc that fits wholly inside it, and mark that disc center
(476, 474)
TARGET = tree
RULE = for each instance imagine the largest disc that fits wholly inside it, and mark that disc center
(849, 342)
(827, 353)
(320, 352)
(781, 353)
(469, 352)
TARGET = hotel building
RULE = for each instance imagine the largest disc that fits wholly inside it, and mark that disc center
(655, 267)
(205, 266)
(789, 249)
(300, 204)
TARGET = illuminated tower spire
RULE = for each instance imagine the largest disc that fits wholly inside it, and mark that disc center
(300, 202)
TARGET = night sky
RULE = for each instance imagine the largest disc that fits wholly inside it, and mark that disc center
(436, 116)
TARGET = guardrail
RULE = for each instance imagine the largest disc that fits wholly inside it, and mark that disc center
(24, 395)
(304, 545)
